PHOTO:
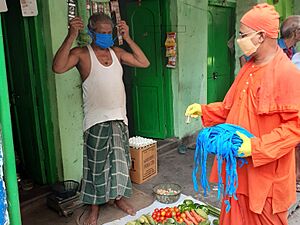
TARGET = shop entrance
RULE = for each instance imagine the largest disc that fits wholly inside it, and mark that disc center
(26, 72)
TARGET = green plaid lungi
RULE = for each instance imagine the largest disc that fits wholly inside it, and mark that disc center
(106, 163)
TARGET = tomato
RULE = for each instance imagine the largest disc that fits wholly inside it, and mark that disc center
(180, 220)
(162, 218)
(156, 210)
(173, 214)
(163, 213)
(182, 215)
(167, 208)
(178, 214)
(154, 216)
(168, 214)
(176, 209)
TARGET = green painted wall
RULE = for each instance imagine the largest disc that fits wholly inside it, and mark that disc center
(296, 7)
(68, 99)
(189, 78)
(296, 11)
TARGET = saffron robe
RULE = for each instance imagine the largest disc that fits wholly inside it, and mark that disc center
(265, 100)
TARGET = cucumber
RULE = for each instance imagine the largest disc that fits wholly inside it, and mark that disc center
(204, 208)
(216, 222)
(131, 223)
(201, 213)
(137, 222)
(197, 205)
(213, 211)
(150, 219)
(171, 220)
(143, 219)
(206, 222)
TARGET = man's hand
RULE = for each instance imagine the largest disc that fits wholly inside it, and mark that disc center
(245, 149)
(124, 30)
(194, 110)
(75, 26)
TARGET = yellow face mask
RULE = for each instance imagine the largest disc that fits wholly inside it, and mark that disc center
(247, 45)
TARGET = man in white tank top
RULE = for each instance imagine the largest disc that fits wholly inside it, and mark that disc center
(106, 160)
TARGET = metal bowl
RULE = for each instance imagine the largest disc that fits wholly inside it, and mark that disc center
(167, 198)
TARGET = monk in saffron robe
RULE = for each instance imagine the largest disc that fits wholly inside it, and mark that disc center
(265, 100)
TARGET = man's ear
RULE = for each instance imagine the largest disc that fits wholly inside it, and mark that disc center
(92, 34)
(262, 36)
(297, 35)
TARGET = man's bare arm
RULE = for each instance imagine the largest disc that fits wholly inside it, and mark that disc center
(137, 58)
(65, 58)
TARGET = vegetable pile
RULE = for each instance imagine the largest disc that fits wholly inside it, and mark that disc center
(187, 213)
(167, 192)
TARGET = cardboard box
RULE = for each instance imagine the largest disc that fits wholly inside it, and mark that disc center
(144, 163)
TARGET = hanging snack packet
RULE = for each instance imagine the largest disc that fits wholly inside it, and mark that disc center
(171, 39)
(171, 51)
(171, 62)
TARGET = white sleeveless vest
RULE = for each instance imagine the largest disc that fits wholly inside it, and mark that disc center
(104, 97)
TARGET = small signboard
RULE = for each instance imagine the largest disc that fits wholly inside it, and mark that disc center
(29, 8)
(3, 6)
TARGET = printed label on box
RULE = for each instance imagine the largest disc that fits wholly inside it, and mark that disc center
(149, 162)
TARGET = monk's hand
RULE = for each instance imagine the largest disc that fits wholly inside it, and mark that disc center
(245, 149)
(194, 110)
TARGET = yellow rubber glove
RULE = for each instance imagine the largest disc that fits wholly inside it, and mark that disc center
(194, 110)
(245, 149)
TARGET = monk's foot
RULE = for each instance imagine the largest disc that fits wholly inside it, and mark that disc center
(125, 206)
(93, 216)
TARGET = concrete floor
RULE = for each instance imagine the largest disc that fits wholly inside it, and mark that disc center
(173, 167)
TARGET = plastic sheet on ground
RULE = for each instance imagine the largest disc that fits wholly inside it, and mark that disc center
(150, 209)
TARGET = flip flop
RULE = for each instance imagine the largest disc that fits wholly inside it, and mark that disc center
(298, 186)
(80, 218)
(182, 149)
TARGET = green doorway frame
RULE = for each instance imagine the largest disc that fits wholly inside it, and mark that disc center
(167, 27)
(8, 145)
(212, 73)
(35, 28)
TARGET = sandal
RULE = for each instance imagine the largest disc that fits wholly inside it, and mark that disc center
(298, 186)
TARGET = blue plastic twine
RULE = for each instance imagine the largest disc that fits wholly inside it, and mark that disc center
(222, 141)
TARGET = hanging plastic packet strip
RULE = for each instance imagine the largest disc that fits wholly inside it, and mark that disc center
(71, 9)
(114, 5)
(171, 53)
(95, 7)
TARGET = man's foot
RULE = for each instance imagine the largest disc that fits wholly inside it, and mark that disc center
(125, 206)
(93, 216)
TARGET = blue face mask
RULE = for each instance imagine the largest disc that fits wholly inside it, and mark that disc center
(102, 40)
